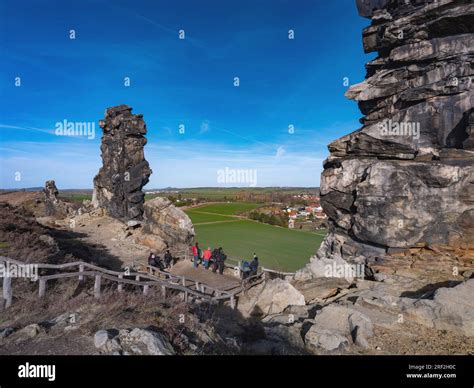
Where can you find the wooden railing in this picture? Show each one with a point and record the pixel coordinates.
(201, 291)
(178, 279)
(272, 274)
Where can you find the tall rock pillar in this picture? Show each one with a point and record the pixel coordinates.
(124, 172)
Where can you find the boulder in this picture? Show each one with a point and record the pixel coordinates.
(325, 339)
(101, 338)
(167, 221)
(145, 341)
(136, 341)
(361, 329)
(274, 297)
(450, 309)
(29, 331)
(335, 327)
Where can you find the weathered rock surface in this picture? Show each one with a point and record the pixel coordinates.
(118, 185)
(53, 205)
(271, 297)
(406, 178)
(335, 327)
(450, 309)
(136, 341)
(172, 224)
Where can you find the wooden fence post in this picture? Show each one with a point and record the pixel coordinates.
(81, 269)
(186, 296)
(183, 282)
(7, 291)
(120, 285)
(42, 288)
(97, 286)
(232, 302)
(145, 289)
(163, 291)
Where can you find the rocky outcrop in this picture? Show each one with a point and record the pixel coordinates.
(118, 185)
(406, 178)
(450, 309)
(132, 342)
(53, 205)
(335, 327)
(271, 297)
(170, 223)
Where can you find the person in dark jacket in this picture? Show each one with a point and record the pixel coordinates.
(214, 255)
(221, 257)
(254, 265)
(168, 259)
(152, 260)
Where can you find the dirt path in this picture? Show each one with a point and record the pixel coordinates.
(215, 222)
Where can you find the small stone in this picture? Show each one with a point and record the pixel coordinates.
(100, 338)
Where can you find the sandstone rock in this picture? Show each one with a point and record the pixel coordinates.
(406, 178)
(325, 339)
(29, 331)
(101, 338)
(450, 309)
(53, 205)
(361, 329)
(275, 296)
(320, 289)
(118, 185)
(334, 318)
(170, 223)
(146, 342)
(334, 325)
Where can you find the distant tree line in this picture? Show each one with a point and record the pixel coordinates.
(272, 219)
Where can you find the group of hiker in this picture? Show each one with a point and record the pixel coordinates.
(161, 264)
(216, 260)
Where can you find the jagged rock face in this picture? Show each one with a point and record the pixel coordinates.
(54, 206)
(50, 197)
(118, 185)
(406, 178)
(172, 224)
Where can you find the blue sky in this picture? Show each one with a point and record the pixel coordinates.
(177, 82)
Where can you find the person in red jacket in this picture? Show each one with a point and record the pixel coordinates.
(206, 257)
(196, 254)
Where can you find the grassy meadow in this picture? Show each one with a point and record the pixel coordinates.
(277, 248)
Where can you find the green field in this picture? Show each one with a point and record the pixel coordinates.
(76, 197)
(227, 208)
(277, 248)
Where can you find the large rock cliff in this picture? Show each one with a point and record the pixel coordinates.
(406, 178)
